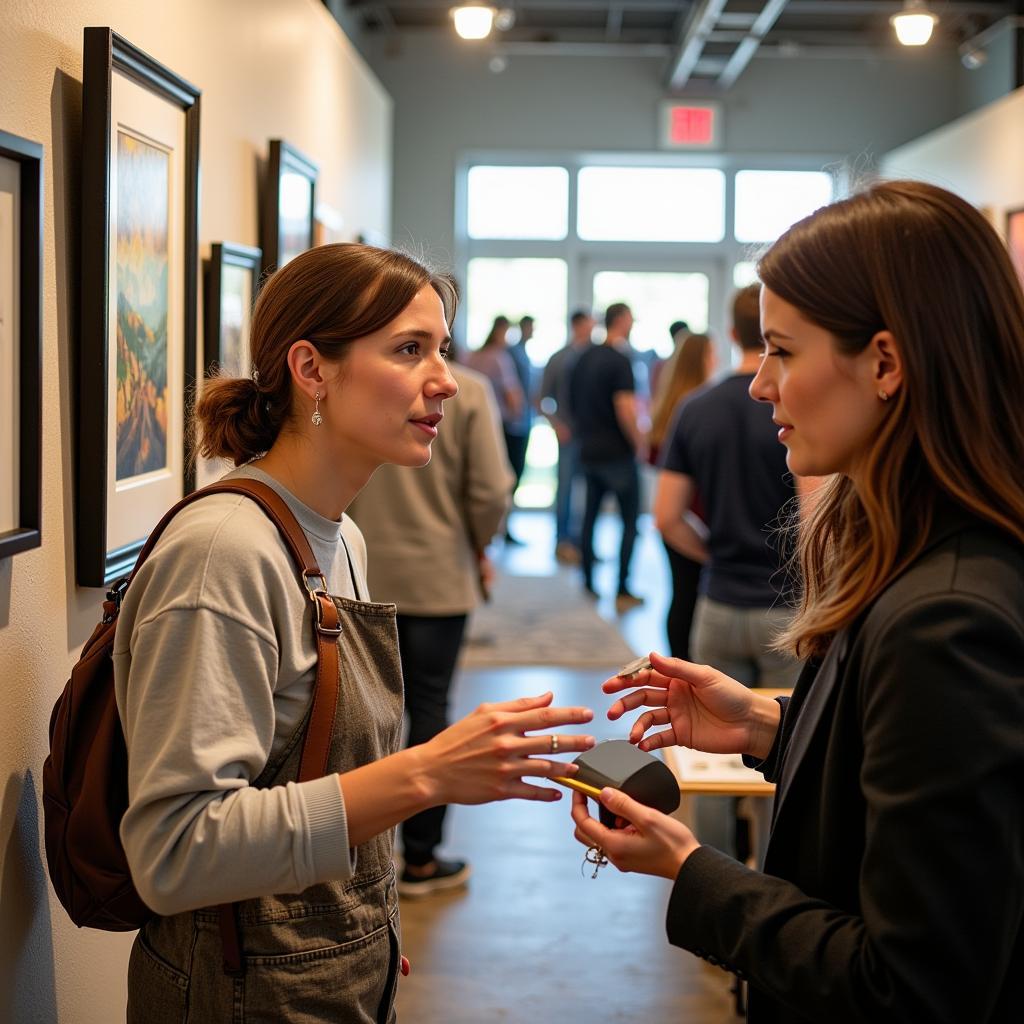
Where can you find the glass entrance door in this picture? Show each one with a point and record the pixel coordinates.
(659, 295)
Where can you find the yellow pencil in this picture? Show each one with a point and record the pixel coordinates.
(580, 787)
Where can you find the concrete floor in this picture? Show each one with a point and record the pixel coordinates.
(534, 938)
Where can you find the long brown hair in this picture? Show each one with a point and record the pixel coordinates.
(330, 296)
(501, 323)
(922, 263)
(687, 369)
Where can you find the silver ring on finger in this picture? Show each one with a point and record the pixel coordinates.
(554, 744)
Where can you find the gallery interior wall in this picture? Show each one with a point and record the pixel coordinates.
(980, 156)
(447, 102)
(266, 68)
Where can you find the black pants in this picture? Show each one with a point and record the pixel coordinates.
(429, 648)
(516, 445)
(685, 578)
(621, 478)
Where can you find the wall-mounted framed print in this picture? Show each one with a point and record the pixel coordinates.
(1015, 239)
(289, 202)
(230, 281)
(21, 316)
(140, 185)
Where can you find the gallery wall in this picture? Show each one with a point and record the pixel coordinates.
(267, 69)
(447, 102)
(980, 156)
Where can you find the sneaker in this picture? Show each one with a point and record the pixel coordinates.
(624, 600)
(566, 553)
(448, 874)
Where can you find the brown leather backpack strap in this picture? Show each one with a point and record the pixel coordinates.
(316, 747)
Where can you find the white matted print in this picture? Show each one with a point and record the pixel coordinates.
(9, 337)
(146, 385)
(235, 312)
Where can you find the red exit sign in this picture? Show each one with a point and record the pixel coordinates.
(689, 125)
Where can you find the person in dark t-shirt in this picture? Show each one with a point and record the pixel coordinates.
(603, 409)
(724, 445)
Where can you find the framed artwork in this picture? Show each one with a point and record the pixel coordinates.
(21, 247)
(289, 201)
(1015, 239)
(140, 184)
(230, 279)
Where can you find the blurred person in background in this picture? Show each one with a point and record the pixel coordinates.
(678, 331)
(494, 360)
(725, 447)
(687, 370)
(426, 533)
(603, 407)
(554, 403)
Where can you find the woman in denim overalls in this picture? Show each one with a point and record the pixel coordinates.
(348, 347)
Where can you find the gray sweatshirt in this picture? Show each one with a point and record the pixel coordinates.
(214, 663)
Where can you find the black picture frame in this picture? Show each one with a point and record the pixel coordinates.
(26, 533)
(1014, 235)
(275, 233)
(224, 257)
(108, 57)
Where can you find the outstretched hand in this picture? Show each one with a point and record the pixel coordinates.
(703, 708)
(650, 843)
(486, 755)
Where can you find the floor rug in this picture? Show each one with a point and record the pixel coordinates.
(542, 620)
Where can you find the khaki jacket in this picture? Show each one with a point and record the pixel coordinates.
(425, 527)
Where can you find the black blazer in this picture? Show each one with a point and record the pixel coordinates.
(894, 879)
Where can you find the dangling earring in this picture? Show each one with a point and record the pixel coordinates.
(883, 395)
(316, 418)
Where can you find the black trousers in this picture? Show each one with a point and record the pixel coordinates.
(429, 648)
(622, 478)
(516, 445)
(685, 580)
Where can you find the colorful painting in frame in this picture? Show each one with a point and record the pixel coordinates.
(230, 279)
(140, 176)
(20, 344)
(289, 203)
(1015, 239)
(143, 207)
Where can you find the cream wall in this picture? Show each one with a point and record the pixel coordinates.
(979, 156)
(266, 68)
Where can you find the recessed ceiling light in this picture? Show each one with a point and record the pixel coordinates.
(473, 21)
(914, 23)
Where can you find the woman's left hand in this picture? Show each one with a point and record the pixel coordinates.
(651, 843)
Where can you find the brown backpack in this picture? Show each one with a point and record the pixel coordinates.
(85, 776)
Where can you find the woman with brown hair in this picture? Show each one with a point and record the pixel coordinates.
(688, 369)
(893, 888)
(215, 659)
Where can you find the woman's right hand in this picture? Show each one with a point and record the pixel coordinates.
(486, 755)
(703, 708)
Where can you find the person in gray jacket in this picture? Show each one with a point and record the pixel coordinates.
(426, 532)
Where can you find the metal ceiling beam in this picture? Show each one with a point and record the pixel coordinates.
(857, 8)
(742, 54)
(669, 6)
(613, 26)
(690, 48)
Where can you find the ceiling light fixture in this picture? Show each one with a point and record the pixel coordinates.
(473, 21)
(914, 23)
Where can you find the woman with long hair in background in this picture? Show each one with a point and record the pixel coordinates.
(687, 369)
